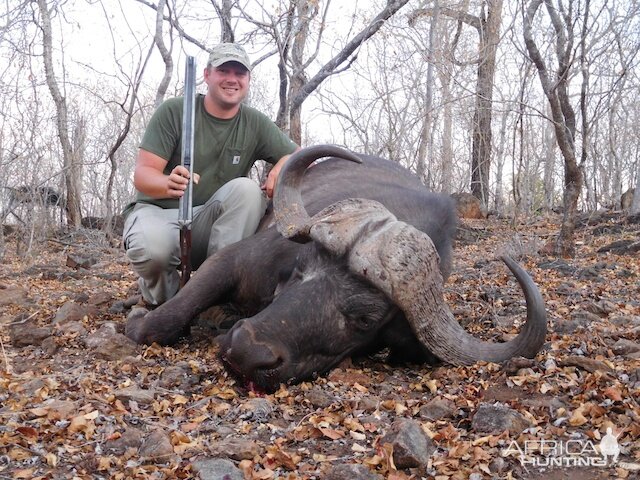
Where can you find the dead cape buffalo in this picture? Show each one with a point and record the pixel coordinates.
(365, 273)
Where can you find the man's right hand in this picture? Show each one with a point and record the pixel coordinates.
(149, 177)
(178, 180)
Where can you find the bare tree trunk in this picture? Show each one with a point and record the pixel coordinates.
(447, 136)
(549, 165)
(556, 91)
(224, 12)
(446, 77)
(488, 28)
(481, 152)
(584, 114)
(499, 199)
(72, 174)
(519, 190)
(613, 171)
(165, 53)
(635, 204)
(79, 146)
(284, 48)
(427, 120)
(305, 13)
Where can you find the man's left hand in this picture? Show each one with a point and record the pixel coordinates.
(270, 184)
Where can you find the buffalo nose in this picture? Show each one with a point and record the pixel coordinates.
(247, 355)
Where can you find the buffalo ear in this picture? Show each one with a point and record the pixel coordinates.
(404, 347)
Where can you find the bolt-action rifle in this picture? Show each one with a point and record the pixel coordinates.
(185, 208)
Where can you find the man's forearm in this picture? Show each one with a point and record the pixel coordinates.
(151, 182)
(156, 184)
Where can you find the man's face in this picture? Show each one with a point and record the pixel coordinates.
(228, 84)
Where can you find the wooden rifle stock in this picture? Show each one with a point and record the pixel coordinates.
(185, 255)
(185, 208)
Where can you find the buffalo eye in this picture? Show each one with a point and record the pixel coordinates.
(363, 311)
(292, 271)
(363, 323)
(296, 274)
(285, 278)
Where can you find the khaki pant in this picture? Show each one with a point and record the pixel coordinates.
(152, 235)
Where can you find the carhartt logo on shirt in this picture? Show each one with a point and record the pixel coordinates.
(236, 159)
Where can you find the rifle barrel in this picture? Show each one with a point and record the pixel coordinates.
(185, 207)
(188, 119)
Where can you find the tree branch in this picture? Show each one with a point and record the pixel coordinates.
(458, 15)
(343, 56)
(176, 24)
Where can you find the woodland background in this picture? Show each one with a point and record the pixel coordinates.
(531, 106)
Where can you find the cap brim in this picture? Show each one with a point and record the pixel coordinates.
(224, 60)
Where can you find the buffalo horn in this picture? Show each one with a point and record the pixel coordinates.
(292, 220)
(402, 262)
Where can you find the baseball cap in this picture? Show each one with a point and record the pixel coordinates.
(228, 52)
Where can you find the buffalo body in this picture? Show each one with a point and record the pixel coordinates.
(305, 310)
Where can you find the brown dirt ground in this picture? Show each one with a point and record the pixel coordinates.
(338, 418)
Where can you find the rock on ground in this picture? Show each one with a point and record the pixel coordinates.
(411, 446)
(108, 344)
(217, 469)
(352, 472)
(498, 418)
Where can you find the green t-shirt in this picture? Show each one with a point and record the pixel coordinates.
(223, 149)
